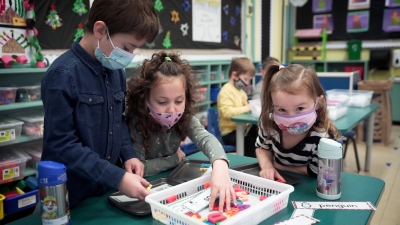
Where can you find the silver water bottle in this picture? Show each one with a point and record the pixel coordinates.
(330, 165)
(53, 194)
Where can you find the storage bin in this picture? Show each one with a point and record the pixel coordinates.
(12, 165)
(10, 130)
(7, 95)
(337, 106)
(33, 123)
(358, 98)
(277, 199)
(36, 156)
(213, 75)
(28, 93)
(21, 202)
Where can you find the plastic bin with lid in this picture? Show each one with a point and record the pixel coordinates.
(337, 106)
(10, 130)
(12, 165)
(7, 95)
(33, 123)
(357, 98)
(28, 93)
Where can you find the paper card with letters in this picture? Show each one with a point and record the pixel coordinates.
(334, 205)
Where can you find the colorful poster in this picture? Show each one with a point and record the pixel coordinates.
(391, 20)
(358, 4)
(357, 21)
(324, 21)
(392, 3)
(320, 6)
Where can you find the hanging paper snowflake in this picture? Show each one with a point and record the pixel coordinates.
(186, 5)
(225, 35)
(167, 40)
(158, 5)
(226, 9)
(237, 10)
(79, 32)
(174, 16)
(79, 7)
(184, 28)
(53, 20)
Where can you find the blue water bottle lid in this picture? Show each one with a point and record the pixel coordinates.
(51, 173)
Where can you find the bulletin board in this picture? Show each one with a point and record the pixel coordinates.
(198, 24)
(352, 19)
(60, 22)
(183, 24)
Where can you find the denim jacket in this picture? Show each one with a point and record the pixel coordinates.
(84, 126)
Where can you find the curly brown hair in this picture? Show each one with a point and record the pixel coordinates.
(147, 76)
(294, 79)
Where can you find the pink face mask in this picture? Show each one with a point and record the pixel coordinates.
(166, 120)
(296, 124)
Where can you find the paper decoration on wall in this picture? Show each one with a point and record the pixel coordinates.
(324, 21)
(186, 5)
(226, 9)
(358, 4)
(167, 40)
(206, 25)
(184, 29)
(12, 12)
(320, 6)
(52, 19)
(225, 35)
(232, 21)
(392, 3)
(11, 45)
(158, 5)
(391, 20)
(79, 32)
(237, 40)
(237, 10)
(174, 16)
(357, 21)
(150, 45)
(79, 7)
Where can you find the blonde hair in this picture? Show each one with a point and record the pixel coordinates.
(294, 79)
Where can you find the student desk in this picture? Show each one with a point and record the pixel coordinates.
(352, 118)
(97, 210)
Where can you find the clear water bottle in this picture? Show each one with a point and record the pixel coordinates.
(53, 194)
(330, 166)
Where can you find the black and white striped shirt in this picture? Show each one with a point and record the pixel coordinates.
(305, 153)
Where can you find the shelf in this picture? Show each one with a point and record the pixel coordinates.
(20, 105)
(22, 70)
(21, 139)
(29, 171)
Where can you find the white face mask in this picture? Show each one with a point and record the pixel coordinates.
(118, 58)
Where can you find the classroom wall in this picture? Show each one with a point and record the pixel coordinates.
(277, 27)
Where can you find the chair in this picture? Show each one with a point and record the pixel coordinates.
(350, 137)
(213, 128)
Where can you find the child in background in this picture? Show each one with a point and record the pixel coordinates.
(293, 119)
(258, 87)
(160, 114)
(232, 101)
(83, 95)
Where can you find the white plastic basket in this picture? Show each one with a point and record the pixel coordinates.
(277, 199)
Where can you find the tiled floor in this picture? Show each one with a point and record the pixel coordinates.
(385, 164)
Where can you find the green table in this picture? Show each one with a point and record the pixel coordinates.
(97, 210)
(346, 123)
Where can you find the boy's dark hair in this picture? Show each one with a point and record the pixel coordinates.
(125, 16)
(241, 65)
(267, 61)
(148, 75)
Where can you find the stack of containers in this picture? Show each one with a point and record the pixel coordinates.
(10, 130)
(33, 123)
